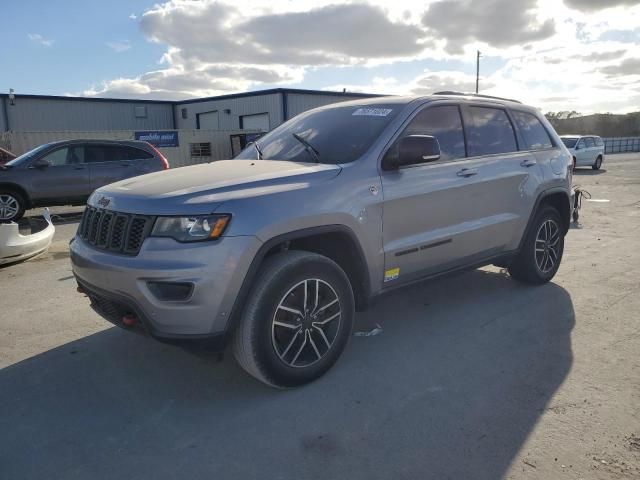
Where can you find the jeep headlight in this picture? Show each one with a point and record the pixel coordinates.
(191, 229)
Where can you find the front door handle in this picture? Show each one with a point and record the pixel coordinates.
(79, 167)
(528, 163)
(467, 172)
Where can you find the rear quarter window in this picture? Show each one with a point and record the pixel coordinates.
(489, 132)
(535, 135)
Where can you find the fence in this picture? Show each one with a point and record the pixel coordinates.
(211, 144)
(621, 144)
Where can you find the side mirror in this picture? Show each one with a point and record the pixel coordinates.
(40, 164)
(415, 149)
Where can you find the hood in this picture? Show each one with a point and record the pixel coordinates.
(200, 189)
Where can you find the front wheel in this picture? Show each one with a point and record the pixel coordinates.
(541, 253)
(12, 206)
(297, 321)
(598, 164)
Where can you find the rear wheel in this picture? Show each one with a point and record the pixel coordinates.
(598, 164)
(12, 206)
(541, 253)
(297, 321)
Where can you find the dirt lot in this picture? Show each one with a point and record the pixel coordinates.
(473, 377)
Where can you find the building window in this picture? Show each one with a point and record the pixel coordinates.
(140, 112)
(200, 149)
(183, 112)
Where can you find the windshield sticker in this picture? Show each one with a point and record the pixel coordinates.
(373, 112)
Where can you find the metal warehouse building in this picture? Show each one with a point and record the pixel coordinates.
(198, 130)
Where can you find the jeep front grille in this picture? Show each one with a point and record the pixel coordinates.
(114, 231)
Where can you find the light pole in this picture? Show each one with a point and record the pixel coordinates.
(477, 70)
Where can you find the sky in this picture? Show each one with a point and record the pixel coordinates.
(581, 55)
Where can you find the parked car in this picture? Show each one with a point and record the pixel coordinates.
(65, 173)
(274, 250)
(5, 156)
(587, 150)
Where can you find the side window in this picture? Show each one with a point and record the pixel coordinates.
(95, 153)
(65, 156)
(489, 132)
(580, 143)
(535, 135)
(132, 153)
(114, 153)
(599, 141)
(589, 142)
(445, 124)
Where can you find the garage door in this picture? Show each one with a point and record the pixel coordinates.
(258, 121)
(208, 121)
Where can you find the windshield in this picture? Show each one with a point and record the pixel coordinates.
(333, 135)
(569, 142)
(25, 157)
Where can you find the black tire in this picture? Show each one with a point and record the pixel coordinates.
(8, 197)
(527, 265)
(598, 164)
(259, 343)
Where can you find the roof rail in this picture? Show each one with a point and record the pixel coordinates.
(476, 95)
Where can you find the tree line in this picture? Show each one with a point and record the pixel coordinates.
(601, 124)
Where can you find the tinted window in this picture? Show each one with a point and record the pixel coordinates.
(589, 142)
(131, 153)
(535, 135)
(114, 153)
(569, 142)
(65, 156)
(339, 134)
(445, 124)
(489, 132)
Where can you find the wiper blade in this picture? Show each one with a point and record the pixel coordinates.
(315, 154)
(258, 151)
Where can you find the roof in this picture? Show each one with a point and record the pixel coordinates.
(196, 100)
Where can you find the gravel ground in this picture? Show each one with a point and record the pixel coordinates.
(472, 377)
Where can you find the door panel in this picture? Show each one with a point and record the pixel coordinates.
(458, 211)
(583, 154)
(111, 163)
(435, 219)
(66, 179)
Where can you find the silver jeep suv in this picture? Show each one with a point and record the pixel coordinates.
(276, 249)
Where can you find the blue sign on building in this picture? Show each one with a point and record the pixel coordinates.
(159, 138)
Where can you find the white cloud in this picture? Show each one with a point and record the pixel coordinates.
(40, 40)
(133, 16)
(119, 47)
(551, 54)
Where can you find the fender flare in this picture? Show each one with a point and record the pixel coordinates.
(247, 283)
(541, 196)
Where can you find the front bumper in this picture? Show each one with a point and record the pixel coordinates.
(118, 284)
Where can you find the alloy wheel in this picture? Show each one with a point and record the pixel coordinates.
(306, 323)
(547, 251)
(8, 207)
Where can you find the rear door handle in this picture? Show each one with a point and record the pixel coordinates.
(528, 163)
(467, 172)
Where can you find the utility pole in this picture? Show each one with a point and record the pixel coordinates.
(477, 70)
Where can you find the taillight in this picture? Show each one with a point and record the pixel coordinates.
(165, 163)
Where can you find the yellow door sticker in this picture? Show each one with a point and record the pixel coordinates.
(391, 274)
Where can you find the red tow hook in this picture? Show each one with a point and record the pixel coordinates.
(129, 320)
